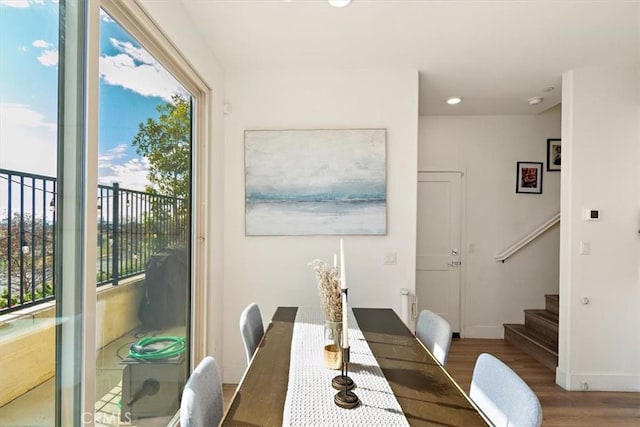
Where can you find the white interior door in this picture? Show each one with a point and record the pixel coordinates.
(438, 246)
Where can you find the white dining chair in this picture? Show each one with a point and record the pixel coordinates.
(251, 329)
(502, 395)
(201, 402)
(435, 333)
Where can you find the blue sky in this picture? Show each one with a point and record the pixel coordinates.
(132, 84)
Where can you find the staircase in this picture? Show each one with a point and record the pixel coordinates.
(538, 337)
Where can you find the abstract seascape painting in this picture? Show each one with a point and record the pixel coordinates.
(315, 182)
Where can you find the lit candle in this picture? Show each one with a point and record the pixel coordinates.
(343, 285)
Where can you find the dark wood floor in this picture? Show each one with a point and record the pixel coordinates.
(559, 407)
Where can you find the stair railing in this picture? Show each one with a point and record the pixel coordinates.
(504, 255)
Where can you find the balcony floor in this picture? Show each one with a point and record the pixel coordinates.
(37, 407)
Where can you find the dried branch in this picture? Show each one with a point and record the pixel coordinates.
(329, 290)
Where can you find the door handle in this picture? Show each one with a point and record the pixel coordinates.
(455, 263)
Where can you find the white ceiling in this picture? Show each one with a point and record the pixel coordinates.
(495, 54)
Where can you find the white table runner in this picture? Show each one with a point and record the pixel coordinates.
(309, 400)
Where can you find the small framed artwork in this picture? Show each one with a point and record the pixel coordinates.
(529, 177)
(554, 155)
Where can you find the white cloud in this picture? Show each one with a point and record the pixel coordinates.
(22, 4)
(42, 44)
(28, 143)
(136, 70)
(49, 58)
(15, 3)
(27, 140)
(131, 175)
(137, 53)
(106, 158)
(105, 16)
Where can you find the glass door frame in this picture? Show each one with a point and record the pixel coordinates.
(77, 183)
(77, 210)
(135, 20)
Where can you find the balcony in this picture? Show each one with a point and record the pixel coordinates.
(132, 226)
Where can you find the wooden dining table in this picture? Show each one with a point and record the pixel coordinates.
(425, 391)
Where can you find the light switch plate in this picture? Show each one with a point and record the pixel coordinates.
(391, 258)
(585, 247)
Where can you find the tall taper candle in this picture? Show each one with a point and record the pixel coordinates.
(343, 278)
(335, 260)
(343, 285)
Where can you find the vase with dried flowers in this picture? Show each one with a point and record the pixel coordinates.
(328, 279)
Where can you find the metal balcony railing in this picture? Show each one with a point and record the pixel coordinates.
(131, 226)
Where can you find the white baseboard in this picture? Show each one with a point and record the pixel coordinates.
(597, 382)
(563, 379)
(487, 332)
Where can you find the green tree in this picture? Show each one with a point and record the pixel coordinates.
(166, 143)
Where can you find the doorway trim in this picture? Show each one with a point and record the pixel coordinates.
(135, 19)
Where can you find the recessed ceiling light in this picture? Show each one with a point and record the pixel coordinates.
(535, 100)
(339, 3)
(454, 100)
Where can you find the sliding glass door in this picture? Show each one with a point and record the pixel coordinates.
(32, 317)
(144, 233)
(96, 271)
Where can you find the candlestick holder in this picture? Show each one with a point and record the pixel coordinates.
(340, 381)
(345, 398)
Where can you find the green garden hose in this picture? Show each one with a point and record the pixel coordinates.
(142, 350)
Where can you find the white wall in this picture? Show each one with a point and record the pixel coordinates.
(600, 342)
(486, 149)
(177, 26)
(274, 271)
